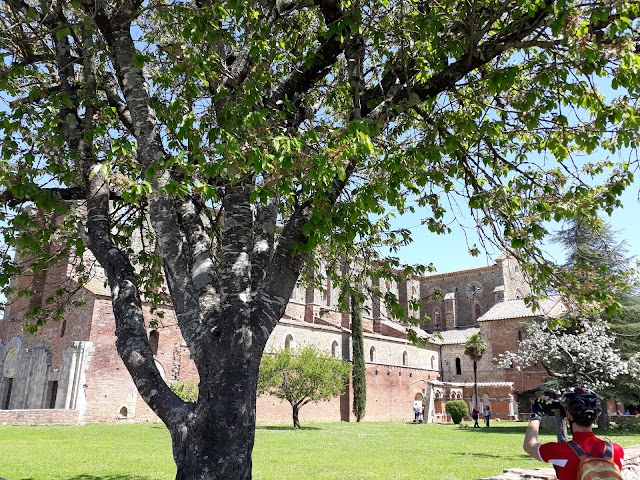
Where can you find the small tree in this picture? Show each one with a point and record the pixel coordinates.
(308, 375)
(474, 349)
(457, 409)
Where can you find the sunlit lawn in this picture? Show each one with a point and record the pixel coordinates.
(317, 451)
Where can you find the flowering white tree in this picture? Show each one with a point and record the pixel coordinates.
(579, 354)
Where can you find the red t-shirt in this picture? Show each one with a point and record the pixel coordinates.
(565, 460)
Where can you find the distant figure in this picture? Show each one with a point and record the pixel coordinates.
(626, 412)
(487, 415)
(416, 413)
(475, 413)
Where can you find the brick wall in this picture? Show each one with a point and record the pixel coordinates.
(39, 417)
(502, 336)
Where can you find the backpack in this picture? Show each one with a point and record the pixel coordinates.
(593, 468)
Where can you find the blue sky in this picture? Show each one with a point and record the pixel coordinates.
(450, 252)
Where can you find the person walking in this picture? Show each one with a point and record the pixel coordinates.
(487, 415)
(475, 414)
(582, 409)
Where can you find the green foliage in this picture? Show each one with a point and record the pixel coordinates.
(340, 116)
(359, 375)
(475, 347)
(187, 391)
(306, 375)
(457, 409)
(471, 117)
(596, 260)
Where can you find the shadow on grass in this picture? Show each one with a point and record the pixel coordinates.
(285, 428)
(104, 477)
(505, 430)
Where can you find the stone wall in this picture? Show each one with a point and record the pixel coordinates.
(630, 469)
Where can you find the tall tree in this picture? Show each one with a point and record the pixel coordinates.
(304, 376)
(595, 258)
(595, 254)
(249, 133)
(474, 348)
(359, 373)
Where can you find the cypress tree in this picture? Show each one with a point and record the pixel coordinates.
(359, 371)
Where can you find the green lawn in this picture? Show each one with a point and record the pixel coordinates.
(318, 451)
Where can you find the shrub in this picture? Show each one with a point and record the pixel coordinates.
(457, 409)
(187, 391)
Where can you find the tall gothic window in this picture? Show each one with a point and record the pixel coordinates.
(458, 366)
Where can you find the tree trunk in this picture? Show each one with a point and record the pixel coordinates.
(561, 427)
(296, 420)
(475, 381)
(213, 438)
(603, 419)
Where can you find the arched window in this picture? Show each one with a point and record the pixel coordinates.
(436, 318)
(478, 311)
(334, 349)
(372, 354)
(154, 341)
(458, 366)
(288, 342)
(124, 412)
(433, 362)
(519, 335)
(405, 358)
(63, 327)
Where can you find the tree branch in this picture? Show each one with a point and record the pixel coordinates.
(446, 79)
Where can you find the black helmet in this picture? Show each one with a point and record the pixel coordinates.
(581, 402)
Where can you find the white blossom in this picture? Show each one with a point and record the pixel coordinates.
(582, 356)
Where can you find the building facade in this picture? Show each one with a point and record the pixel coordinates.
(70, 372)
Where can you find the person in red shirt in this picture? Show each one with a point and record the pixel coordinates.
(582, 408)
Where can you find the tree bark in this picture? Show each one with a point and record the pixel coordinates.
(561, 427)
(213, 440)
(295, 412)
(475, 380)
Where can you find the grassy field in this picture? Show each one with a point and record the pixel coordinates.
(335, 451)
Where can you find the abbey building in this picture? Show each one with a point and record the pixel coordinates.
(69, 372)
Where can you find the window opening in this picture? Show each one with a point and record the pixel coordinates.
(53, 394)
(7, 397)
(154, 341)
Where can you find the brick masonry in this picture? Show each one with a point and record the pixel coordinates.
(398, 371)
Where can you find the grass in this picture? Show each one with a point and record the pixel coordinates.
(349, 451)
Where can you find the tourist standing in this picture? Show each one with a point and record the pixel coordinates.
(583, 408)
(487, 415)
